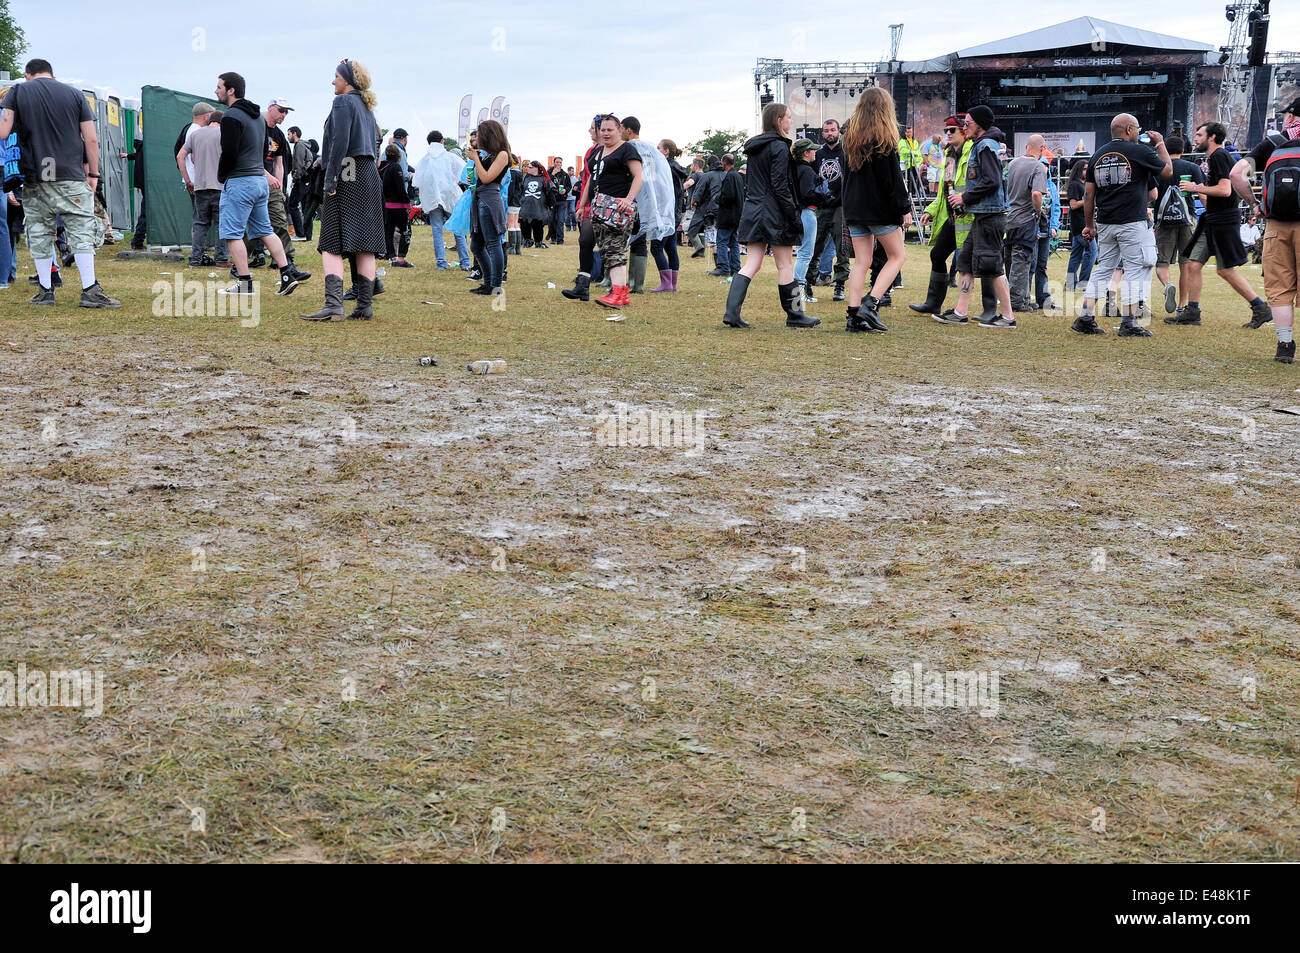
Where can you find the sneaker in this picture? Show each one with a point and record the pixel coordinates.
(997, 321)
(1087, 325)
(1260, 315)
(401, 263)
(717, 273)
(44, 296)
(1048, 305)
(288, 281)
(1285, 352)
(257, 261)
(56, 280)
(474, 275)
(299, 238)
(540, 245)
(233, 272)
(242, 286)
(839, 291)
(1133, 331)
(1171, 298)
(823, 280)
(95, 297)
(951, 317)
(207, 261)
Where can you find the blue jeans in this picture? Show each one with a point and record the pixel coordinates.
(728, 251)
(827, 260)
(1082, 257)
(438, 219)
(6, 250)
(573, 208)
(804, 254)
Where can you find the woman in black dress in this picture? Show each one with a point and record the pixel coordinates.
(770, 219)
(487, 215)
(352, 219)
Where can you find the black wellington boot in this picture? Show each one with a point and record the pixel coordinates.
(736, 298)
(792, 305)
(934, 296)
(989, 298)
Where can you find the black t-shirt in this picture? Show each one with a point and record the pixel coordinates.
(1076, 214)
(1181, 167)
(1221, 211)
(1263, 152)
(47, 118)
(277, 147)
(1122, 172)
(613, 177)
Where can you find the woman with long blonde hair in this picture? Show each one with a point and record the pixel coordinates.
(770, 219)
(876, 204)
(352, 218)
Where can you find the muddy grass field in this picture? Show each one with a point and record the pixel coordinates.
(348, 608)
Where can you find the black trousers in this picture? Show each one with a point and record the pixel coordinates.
(532, 231)
(945, 245)
(830, 222)
(586, 246)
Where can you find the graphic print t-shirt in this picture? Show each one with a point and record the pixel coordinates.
(1122, 170)
(277, 147)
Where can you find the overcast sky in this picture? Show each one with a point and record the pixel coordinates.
(679, 67)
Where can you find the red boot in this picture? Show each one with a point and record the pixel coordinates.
(617, 297)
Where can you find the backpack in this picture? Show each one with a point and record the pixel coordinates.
(1172, 208)
(1281, 179)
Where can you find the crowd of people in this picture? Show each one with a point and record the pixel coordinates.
(831, 213)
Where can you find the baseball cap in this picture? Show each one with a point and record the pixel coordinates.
(803, 145)
(282, 103)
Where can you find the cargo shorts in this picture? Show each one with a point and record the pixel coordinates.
(44, 202)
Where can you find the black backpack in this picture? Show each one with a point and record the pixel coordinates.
(1172, 208)
(1281, 180)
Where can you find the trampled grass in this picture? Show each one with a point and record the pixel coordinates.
(355, 609)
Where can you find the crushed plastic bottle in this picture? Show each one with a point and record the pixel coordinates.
(486, 367)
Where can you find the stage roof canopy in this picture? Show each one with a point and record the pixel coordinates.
(1084, 31)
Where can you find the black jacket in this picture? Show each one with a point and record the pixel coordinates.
(680, 176)
(770, 213)
(243, 141)
(705, 194)
(731, 198)
(829, 164)
(137, 156)
(875, 194)
(807, 181)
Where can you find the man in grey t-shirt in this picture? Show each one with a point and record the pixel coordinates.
(198, 161)
(1026, 186)
(60, 165)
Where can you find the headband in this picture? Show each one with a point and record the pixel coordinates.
(345, 70)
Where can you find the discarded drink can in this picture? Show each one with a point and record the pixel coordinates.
(486, 367)
(428, 362)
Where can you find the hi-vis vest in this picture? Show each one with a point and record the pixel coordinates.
(939, 210)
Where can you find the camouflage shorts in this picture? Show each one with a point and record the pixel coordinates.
(44, 202)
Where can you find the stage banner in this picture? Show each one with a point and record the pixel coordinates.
(1061, 143)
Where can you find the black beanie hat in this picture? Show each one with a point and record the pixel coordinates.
(982, 116)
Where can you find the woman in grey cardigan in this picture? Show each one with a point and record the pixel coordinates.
(352, 219)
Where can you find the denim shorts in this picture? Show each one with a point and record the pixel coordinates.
(243, 207)
(858, 231)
